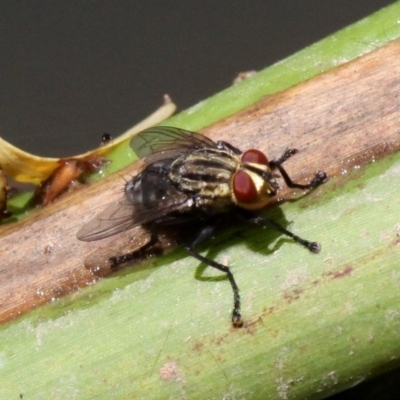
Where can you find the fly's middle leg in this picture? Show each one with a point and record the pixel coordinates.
(259, 220)
(205, 234)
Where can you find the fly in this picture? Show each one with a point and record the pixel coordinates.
(188, 178)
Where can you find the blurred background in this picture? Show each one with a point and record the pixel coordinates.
(73, 70)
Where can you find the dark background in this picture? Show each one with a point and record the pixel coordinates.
(72, 70)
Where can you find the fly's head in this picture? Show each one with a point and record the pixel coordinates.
(253, 183)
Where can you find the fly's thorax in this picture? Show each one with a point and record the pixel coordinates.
(206, 173)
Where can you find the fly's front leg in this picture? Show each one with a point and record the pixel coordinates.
(314, 247)
(205, 234)
(319, 178)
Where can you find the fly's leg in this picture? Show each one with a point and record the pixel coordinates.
(227, 146)
(314, 247)
(154, 228)
(118, 260)
(204, 234)
(319, 178)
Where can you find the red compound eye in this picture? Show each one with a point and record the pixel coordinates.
(255, 156)
(243, 187)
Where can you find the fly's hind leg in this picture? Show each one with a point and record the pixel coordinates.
(118, 260)
(154, 239)
(205, 234)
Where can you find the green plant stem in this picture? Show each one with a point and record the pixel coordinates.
(321, 322)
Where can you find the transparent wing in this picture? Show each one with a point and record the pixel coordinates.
(116, 218)
(123, 215)
(157, 143)
(164, 141)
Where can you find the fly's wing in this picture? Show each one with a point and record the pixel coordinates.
(124, 215)
(161, 142)
(156, 196)
(116, 218)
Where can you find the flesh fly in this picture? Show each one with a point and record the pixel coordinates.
(190, 179)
